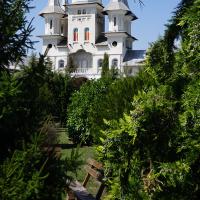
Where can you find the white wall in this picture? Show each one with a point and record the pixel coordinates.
(85, 1)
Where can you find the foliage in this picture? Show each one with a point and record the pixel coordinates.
(84, 108)
(27, 98)
(117, 100)
(153, 152)
(9, 91)
(14, 37)
(132, 143)
(61, 87)
(105, 66)
(22, 113)
(31, 173)
(98, 100)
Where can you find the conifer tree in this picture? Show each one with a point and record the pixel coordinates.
(105, 66)
(15, 31)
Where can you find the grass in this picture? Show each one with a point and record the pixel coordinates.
(85, 152)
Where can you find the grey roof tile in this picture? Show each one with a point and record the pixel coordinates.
(63, 42)
(52, 9)
(134, 55)
(101, 40)
(119, 5)
(116, 6)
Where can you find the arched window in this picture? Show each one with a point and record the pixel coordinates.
(75, 34)
(84, 64)
(79, 12)
(100, 62)
(84, 11)
(87, 34)
(51, 24)
(61, 64)
(115, 21)
(114, 62)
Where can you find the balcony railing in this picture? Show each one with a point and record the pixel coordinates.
(81, 70)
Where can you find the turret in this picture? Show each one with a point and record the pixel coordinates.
(53, 14)
(56, 29)
(119, 15)
(120, 18)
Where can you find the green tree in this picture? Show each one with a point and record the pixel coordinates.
(61, 87)
(153, 152)
(105, 66)
(14, 36)
(84, 110)
(33, 173)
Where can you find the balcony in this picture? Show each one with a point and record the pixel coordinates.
(86, 72)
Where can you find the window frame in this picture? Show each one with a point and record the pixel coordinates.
(115, 21)
(51, 24)
(114, 62)
(84, 11)
(87, 34)
(75, 34)
(62, 29)
(61, 64)
(99, 62)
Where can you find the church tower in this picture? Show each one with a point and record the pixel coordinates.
(55, 26)
(86, 23)
(119, 29)
(56, 29)
(77, 33)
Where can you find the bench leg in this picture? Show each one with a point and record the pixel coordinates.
(70, 195)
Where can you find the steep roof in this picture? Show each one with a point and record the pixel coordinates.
(62, 43)
(119, 5)
(134, 56)
(52, 7)
(101, 40)
(116, 5)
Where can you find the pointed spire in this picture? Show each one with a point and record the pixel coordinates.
(86, 1)
(53, 6)
(123, 1)
(53, 3)
(119, 5)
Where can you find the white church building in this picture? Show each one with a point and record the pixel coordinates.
(77, 30)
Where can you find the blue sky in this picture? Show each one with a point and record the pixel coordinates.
(150, 24)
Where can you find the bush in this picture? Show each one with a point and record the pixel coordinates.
(27, 98)
(153, 152)
(84, 108)
(34, 173)
(98, 100)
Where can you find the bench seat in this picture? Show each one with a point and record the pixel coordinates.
(80, 191)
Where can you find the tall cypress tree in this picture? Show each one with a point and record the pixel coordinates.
(105, 66)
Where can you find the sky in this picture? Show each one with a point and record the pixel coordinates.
(152, 17)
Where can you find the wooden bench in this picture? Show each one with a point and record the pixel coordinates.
(78, 191)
